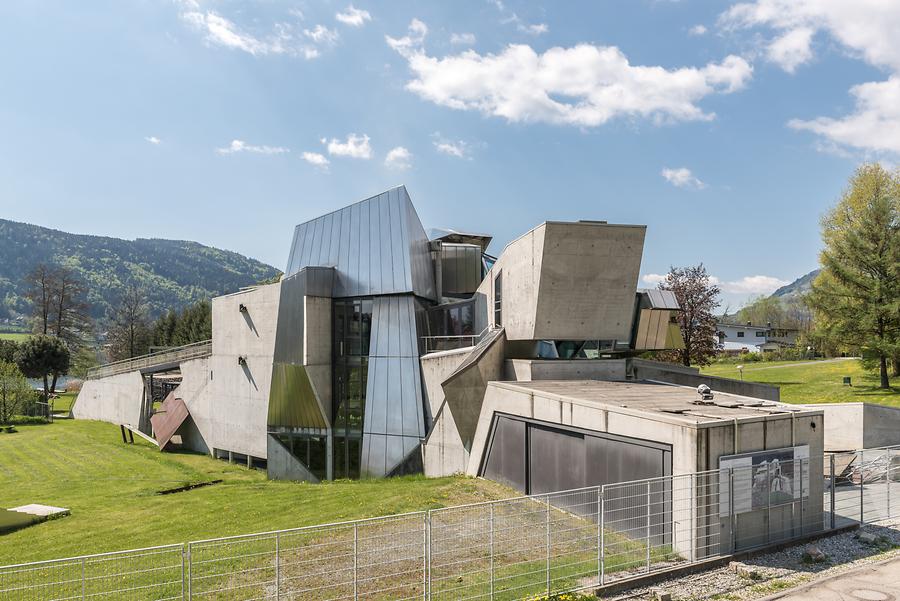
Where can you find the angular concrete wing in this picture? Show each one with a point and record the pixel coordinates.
(566, 281)
(377, 246)
(464, 388)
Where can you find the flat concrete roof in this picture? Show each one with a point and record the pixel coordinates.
(662, 401)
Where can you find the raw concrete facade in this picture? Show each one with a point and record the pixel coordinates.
(332, 373)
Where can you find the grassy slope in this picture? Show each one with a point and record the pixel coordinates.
(815, 381)
(111, 489)
(14, 336)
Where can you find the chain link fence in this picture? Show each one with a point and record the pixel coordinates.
(500, 550)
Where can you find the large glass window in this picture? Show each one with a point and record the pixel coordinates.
(352, 332)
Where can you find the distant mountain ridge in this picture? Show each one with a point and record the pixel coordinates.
(801, 285)
(174, 273)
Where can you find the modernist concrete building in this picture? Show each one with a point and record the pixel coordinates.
(385, 351)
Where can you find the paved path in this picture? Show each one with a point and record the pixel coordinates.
(804, 363)
(874, 582)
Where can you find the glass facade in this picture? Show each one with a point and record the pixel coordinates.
(310, 449)
(457, 319)
(498, 300)
(352, 332)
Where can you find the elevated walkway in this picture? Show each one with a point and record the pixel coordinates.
(154, 362)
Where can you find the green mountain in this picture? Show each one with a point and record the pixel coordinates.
(801, 285)
(174, 273)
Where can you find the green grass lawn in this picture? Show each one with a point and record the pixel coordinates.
(111, 489)
(14, 336)
(64, 403)
(815, 381)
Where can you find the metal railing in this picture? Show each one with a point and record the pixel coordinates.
(435, 344)
(174, 355)
(498, 550)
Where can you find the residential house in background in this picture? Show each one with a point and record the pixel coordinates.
(737, 338)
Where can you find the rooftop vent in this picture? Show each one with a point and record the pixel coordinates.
(706, 395)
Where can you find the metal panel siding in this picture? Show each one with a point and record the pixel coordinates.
(394, 414)
(506, 457)
(556, 460)
(378, 247)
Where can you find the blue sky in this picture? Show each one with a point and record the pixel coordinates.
(727, 128)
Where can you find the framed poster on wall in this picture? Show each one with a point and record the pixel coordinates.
(763, 479)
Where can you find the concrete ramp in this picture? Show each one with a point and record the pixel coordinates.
(168, 419)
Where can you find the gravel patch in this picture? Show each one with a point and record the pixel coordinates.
(768, 573)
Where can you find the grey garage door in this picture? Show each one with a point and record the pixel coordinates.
(537, 457)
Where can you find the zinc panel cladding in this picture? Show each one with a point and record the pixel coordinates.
(394, 419)
(461, 268)
(378, 246)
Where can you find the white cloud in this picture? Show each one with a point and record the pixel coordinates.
(454, 148)
(652, 279)
(153, 140)
(753, 284)
(238, 146)
(874, 125)
(356, 147)
(282, 40)
(354, 17)
(866, 29)
(321, 34)
(792, 49)
(697, 30)
(315, 159)
(748, 285)
(533, 29)
(398, 158)
(585, 85)
(409, 44)
(462, 39)
(682, 178)
(509, 16)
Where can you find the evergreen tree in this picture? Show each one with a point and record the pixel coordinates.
(42, 355)
(857, 294)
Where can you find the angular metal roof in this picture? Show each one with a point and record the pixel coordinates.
(377, 246)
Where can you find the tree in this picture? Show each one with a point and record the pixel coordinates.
(40, 356)
(192, 324)
(8, 350)
(698, 297)
(58, 305)
(857, 294)
(14, 391)
(130, 335)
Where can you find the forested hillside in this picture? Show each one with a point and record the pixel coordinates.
(173, 273)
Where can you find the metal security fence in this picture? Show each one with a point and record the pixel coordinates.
(500, 550)
(154, 573)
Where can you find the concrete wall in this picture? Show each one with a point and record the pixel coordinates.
(852, 426)
(675, 374)
(526, 370)
(239, 394)
(194, 390)
(437, 367)
(116, 399)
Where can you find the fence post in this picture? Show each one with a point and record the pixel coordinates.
(801, 496)
(83, 584)
(602, 508)
(768, 502)
(732, 514)
(356, 561)
(426, 572)
(887, 477)
(831, 465)
(277, 567)
(548, 545)
(693, 501)
(492, 550)
(648, 526)
(183, 588)
(190, 575)
(862, 493)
